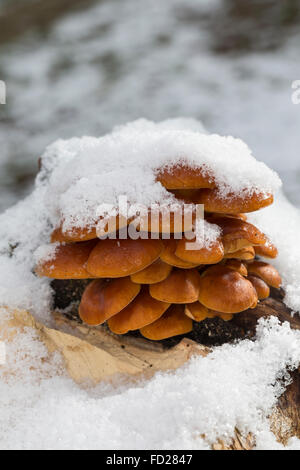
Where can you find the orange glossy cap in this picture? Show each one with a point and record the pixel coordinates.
(103, 299)
(174, 322)
(120, 258)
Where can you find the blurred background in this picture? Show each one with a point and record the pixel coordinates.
(78, 67)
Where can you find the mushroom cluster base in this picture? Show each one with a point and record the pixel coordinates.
(209, 332)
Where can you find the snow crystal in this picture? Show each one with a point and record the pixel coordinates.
(235, 386)
(46, 252)
(206, 235)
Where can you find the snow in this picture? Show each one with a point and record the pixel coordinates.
(22, 230)
(116, 61)
(235, 386)
(84, 173)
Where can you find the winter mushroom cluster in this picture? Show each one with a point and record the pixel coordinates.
(155, 284)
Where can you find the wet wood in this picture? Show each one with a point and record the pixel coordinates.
(273, 306)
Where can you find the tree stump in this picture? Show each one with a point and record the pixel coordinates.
(94, 354)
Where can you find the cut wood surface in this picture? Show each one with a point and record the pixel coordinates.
(130, 355)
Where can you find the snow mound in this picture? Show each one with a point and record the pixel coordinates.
(84, 173)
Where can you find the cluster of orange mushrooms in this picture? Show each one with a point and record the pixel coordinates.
(159, 287)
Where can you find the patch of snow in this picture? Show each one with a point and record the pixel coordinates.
(46, 252)
(23, 229)
(95, 70)
(235, 386)
(84, 173)
(206, 234)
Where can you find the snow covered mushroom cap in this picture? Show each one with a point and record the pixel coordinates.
(82, 173)
(65, 261)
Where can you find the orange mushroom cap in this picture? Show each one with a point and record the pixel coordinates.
(246, 253)
(103, 299)
(139, 313)
(226, 316)
(74, 235)
(77, 234)
(207, 255)
(237, 233)
(183, 176)
(169, 257)
(237, 266)
(262, 289)
(196, 311)
(156, 272)
(167, 220)
(226, 291)
(267, 251)
(232, 246)
(266, 272)
(185, 195)
(173, 322)
(182, 286)
(232, 204)
(107, 226)
(120, 258)
(69, 262)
